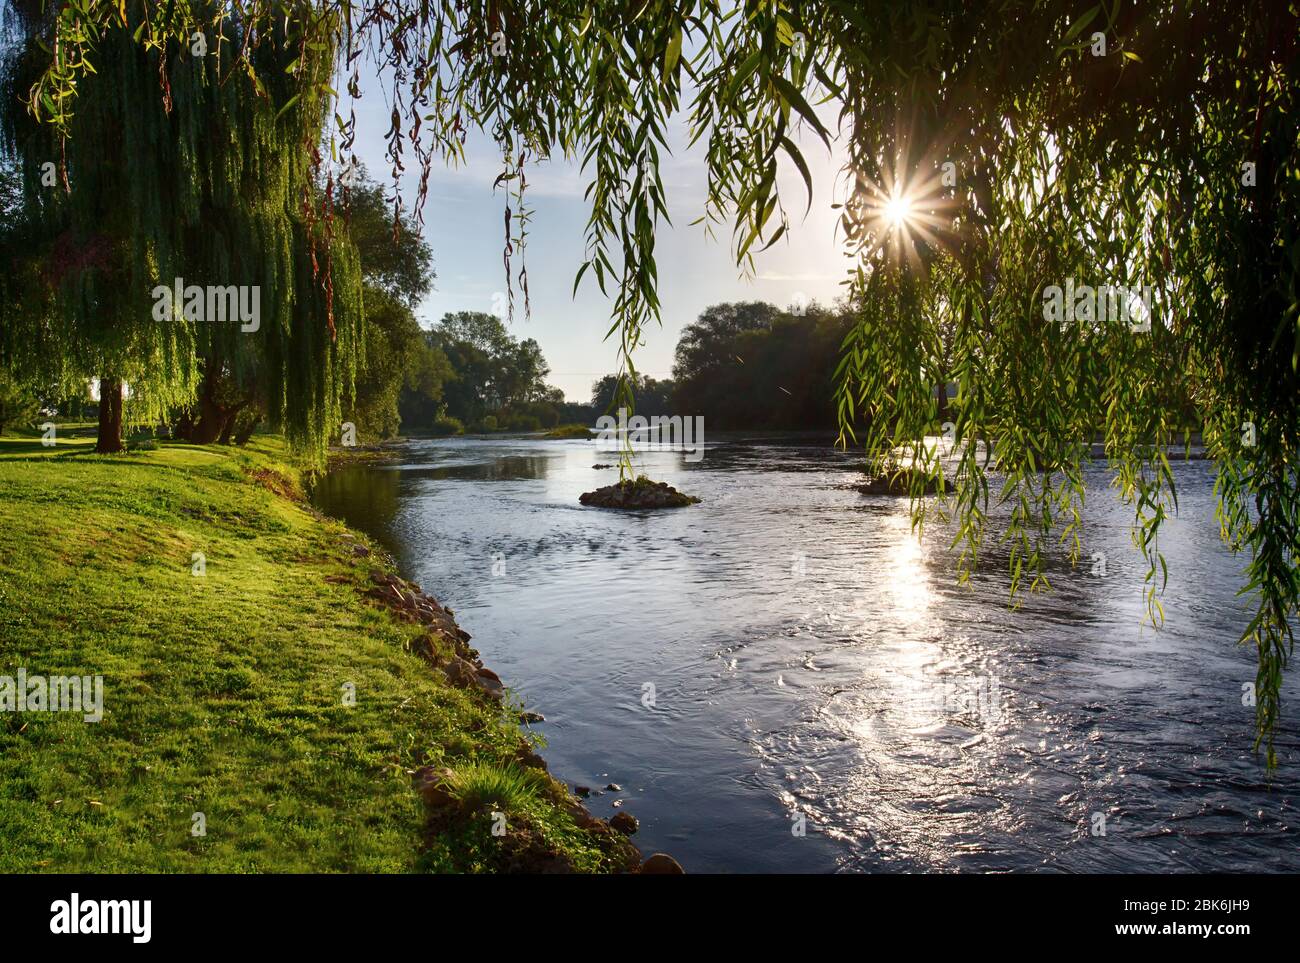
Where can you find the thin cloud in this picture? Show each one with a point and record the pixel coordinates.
(777, 276)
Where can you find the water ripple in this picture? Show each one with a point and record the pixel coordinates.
(785, 657)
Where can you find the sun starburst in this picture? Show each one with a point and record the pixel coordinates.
(905, 213)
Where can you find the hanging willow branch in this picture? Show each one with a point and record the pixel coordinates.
(1100, 143)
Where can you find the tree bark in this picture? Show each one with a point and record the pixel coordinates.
(945, 412)
(184, 429)
(231, 419)
(109, 439)
(245, 432)
(212, 416)
(208, 428)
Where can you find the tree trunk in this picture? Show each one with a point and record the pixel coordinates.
(228, 424)
(184, 429)
(109, 440)
(945, 412)
(245, 432)
(212, 415)
(208, 428)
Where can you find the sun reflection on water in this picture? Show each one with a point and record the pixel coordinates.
(907, 582)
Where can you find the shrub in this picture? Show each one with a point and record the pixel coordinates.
(519, 422)
(447, 425)
(19, 405)
(569, 431)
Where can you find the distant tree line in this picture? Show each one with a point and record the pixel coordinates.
(751, 365)
(487, 380)
(748, 364)
(740, 365)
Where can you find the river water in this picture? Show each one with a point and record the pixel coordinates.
(782, 679)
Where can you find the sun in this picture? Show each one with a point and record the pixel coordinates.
(897, 210)
(902, 211)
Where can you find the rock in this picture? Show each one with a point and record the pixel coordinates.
(617, 803)
(576, 809)
(582, 792)
(460, 673)
(434, 786)
(427, 646)
(463, 673)
(625, 823)
(614, 787)
(661, 864)
(893, 484)
(642, 493)
(584, 819)
(528, 757)
(489, 682)
(360, 550)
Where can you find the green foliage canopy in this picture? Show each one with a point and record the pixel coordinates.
(492, 370)
(750, 365)
(399, 362)
(170, 167)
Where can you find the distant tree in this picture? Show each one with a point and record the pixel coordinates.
(394, 257)
(753, 366)
(483, 331)
(653, 396)
(574, 412)
(470, 393)
(19, 402)
(401, 375)
(393, 342)
(493, 373)
(428, 373)
(522, 373)
(703, 342)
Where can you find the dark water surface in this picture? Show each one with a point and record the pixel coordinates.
(809, 659)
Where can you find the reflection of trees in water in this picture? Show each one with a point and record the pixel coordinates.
(506, 468)
(367, 498)
(364, 498)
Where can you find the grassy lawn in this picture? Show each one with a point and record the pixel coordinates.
(224, 693)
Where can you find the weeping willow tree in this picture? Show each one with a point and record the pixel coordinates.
(1163, 189)
(181, 247)
(999, 154)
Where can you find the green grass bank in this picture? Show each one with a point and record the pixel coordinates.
(261, 686)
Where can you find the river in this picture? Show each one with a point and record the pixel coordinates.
(782, 679)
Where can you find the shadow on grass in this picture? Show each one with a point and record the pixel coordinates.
(28, 446)
(22, 448)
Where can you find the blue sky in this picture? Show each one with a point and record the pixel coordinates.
(463, 225)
